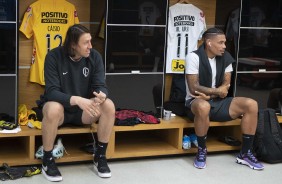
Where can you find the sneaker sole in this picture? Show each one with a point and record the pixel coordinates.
(51, 178)
(200, 167)
(243, 162)
(186, 148)
(102, 175)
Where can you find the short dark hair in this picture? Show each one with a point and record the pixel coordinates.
(72, 37)
(212, 32)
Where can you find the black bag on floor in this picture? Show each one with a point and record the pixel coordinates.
(268, 137)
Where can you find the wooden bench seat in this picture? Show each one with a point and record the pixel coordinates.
(126, 141)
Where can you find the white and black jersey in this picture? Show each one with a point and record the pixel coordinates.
(186, 25)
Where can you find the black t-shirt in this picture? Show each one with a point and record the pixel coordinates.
(65, 78)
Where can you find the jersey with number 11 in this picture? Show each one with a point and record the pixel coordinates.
(186, 25)
(47, 21)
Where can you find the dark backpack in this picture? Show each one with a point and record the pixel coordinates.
(178, 88)
(268, 137)
(177, 96)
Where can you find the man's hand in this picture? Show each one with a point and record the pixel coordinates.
(200, 95)
(223, 90)
(99, 97)
(87, 105)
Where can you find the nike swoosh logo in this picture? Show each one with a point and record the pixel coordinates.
(45, 167)
(64, 73)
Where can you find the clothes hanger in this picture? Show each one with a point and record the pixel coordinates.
(184, 1)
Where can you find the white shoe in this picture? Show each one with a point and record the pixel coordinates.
(58, 151)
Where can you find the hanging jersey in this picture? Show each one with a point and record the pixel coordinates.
(186, 25)
(7, 10)
(148, 14)
(232, 27)
(256, 16)
(47, 21)
(101, 33)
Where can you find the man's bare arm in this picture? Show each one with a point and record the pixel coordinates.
(226, 79)
(193, 84)
(224, 87)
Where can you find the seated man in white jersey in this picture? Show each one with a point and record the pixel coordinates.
(208, 75)
(76, 93)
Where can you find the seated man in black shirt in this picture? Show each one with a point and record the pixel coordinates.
(75, 93)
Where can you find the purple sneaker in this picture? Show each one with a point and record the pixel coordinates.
(250, 160)
(200, 160)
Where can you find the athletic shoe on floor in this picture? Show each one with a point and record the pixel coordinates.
(186, 143)
(51, 171)
(39, 153)
(250, 160)
(101, 165)
(200, 160)
(58, 151)
(193, 139)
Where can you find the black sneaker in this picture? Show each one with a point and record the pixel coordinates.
(51, 171)
(102, 166)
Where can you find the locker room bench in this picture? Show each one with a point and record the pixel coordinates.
(126, 141)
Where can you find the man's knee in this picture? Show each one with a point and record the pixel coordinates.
(251, 104)
(201, 108)
(109, 107)
(53, 110)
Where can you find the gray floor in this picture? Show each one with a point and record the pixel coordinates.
(221, 169)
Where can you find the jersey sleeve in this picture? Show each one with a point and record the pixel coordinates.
(171, 33)
(202, 22)
(27, 24)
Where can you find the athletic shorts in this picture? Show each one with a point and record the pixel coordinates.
(219, 109)
(73, 116)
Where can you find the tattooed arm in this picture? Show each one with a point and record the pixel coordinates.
(205, 92)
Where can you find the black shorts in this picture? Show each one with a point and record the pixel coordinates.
(219, 109)
(73, 116)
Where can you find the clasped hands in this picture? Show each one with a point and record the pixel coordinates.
(221, 92)
(94, 108)
(91, 106)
